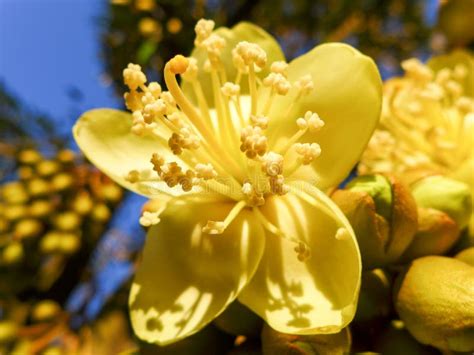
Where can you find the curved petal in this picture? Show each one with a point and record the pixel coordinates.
(320, 294)
(243, 31)
(187, 278)
(105, 138)
(347, 96)
(453, 59)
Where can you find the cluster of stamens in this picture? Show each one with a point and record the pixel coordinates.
(230, 155)
(426, 122)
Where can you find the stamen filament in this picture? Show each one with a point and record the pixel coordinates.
(218, 227)
(253, 89)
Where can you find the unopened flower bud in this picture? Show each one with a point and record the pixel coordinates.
(384, 217)
(435, 300)
(45, 310)
(239, 320)
(466, 255)
(375, 296)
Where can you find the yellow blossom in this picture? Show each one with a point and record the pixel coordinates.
(427, 123)
(241, 154)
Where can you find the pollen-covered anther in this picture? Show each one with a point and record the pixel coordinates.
(155, 89)
(272, 164)
(133, 76)
(133, 176)
(178, 64)
(417, 70)
(203, 30)
(171, 174)
(308, 152)
(168, 99)
(148, 219)
(230, 89)
(253, 198)
(157, 161)
(214, 227)
(184, 140)
(303, 252)
(213, 45)
(187, 180)
(133, 100)
(138, 123)
(279, 67)
(304, 85)
(246, 54)
(277, 82)
(254, 143)
(310, 121)
(191, 73)
(154, 110)
(205, 171)
(278, 186)
(259, 121)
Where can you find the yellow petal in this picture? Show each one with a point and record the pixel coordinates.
(187, 278)
(320, 294)
(243, 31)
(451, 60)
(347, 96)
(105, 138)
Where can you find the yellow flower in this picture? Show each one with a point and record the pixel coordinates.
(427, 122)
(240, 156)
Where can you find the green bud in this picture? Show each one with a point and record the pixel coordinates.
(397, 340)
(375, 296)
(435, 300)
(239, 320)
(437, 233)
(444, 194)
(13, 253)
(8, 331)
(467, 255)
(45, 310)
(274, 342)
(384, 223)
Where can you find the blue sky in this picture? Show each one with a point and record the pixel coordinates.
(49, 48)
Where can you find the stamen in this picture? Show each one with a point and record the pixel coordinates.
(218, 227)
(149, 218)
(302, 249)
(253, 198)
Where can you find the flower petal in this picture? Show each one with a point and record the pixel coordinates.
(320, 294)
(187, 278)
(105, 138)
(347, 96)
(243, 31)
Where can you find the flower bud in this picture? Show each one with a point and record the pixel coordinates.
(444, 194)
(13, 253)
(375, 296)
(436, 234)
(27, 228)
(383, 214)
(8, 331)
(45, 310)
(14, 193)
(239, 320)
(467, 255)
(29, 157)
(274, 342)
(435, 300)
(395, 340)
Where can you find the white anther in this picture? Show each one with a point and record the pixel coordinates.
(315, 123)
(277, 185)
(214, 227)
(432, 91)
(149, 219)
(213, 45)
(155, 89)
(133, 76)
(279, 67)
(302, 123)
(192, 71)
(207, 66)
(259, 121)
(230, 89)
(154, 110)
(417, 70)
(247, 189)
(203, 30)
(205, 171)
(443, 76)
(249, 54)
(272, 164)
(308, 152)
(454, 87)
(133, 100)
(304, 85)
(460, 72)
(342, 234)
(176, 119)
(278, 83)
(168, 98)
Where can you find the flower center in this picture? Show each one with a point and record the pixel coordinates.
(224, 150)
(427, 121)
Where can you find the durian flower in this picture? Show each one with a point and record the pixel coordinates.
(427, 122)
(241, 154)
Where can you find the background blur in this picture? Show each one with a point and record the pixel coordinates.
(60, 58)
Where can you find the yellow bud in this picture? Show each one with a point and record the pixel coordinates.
(435, 300)
(4, 225)
(67, 221)
(66, 156)
(111, 193)
(25, 172)
(69, 243)
(50, 242)
(14, 212)
(29, 157)
(83, 203)
(38, 187)
(46, 168)
(12, 253)
(8, 331)
(45, 310)
(41, 208)
(467, 256)
(27, 228)
(101, 213)
(14, 192)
